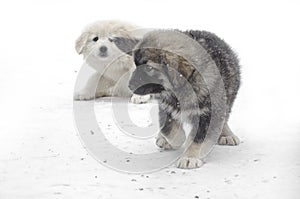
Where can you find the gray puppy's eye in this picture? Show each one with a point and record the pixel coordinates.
(95, 39)
(149, 68)
(111, 39)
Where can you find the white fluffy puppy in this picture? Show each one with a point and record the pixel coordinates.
(112, 66)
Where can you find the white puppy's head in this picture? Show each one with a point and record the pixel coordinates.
(96, 42)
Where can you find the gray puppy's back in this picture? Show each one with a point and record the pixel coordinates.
(225, 58)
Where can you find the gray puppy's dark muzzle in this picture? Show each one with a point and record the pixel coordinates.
(141, 83)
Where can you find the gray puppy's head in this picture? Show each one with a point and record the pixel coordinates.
(157, 70)
(159, 63)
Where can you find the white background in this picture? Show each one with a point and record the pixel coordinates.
(40, 153)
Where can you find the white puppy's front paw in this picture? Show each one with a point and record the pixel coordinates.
(161, 142)
(231, 140)
(139, 99)
(83, 95)
(189, 163)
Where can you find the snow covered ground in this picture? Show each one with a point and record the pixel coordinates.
(41, 155)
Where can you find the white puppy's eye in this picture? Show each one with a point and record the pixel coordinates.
(95, 39)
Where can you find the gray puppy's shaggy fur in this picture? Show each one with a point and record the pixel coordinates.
(162, 59)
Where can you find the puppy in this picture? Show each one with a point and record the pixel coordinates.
(112, 67)
(165, 65)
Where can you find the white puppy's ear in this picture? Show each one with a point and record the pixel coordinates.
(80, 42)
(125, 44)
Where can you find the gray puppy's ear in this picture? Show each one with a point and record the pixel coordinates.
(80, 42)
(125, 44)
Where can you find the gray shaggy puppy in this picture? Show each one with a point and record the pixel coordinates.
(165, 66)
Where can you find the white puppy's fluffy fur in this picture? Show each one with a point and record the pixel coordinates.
(112, 66)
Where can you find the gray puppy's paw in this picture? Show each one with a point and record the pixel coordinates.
(139, 99)
(231, 140)
(189, 163)
(162, 143)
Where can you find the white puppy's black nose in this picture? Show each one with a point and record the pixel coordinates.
(103, 49)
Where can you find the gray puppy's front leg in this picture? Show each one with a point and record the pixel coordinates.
(191, 157)
(196, 143)
(171, 135)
